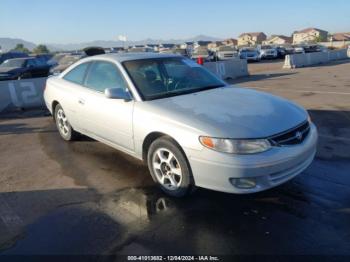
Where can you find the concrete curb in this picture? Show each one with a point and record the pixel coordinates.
(309, 59)
(24, 94)
(229, 69)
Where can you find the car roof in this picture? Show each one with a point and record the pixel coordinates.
(122, 57)
(22, 58)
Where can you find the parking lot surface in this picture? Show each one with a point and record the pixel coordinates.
(87, 198)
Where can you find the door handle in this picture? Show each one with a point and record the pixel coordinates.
(81, 101)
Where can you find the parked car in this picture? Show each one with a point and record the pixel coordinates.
(298, 50)
(20, 68)
(94, 50)
(289, 50)
(281, 52)
(267, 52)
(140, 50)
(314, 48)
(11, 55)
(203, 53)
(63, 62)
(44, 58)
(191, 128)
(226, 53)
(179, 51)
(249, 53)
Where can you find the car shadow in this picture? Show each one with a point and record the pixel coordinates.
(30, 113)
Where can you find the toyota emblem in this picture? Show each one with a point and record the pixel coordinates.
(298, 135)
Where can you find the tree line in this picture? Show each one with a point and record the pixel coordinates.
(39, 49)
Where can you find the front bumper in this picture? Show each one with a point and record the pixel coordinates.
(213, 170)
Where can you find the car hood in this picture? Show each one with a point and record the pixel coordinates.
(231, 112)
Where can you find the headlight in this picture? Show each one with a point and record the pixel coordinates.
(236, 146)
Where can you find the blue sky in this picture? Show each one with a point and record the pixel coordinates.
(73, 21)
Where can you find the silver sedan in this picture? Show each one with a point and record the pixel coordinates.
(191, 128)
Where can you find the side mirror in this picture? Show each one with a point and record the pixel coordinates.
(117, 93)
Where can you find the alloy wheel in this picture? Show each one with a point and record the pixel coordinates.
(167, 169)
(62, 122)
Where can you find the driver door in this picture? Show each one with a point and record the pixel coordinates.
(108, 119)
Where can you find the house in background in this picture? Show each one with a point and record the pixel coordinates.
(278, 40)
(230, 42)
(249, 39)
(310, 35)
(340, 37)
(214, 45)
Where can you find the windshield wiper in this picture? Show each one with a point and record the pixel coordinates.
(210, 87)
(183, 92)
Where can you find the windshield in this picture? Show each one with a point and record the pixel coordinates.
(13, 63)
(165, 77)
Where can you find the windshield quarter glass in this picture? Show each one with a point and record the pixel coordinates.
(165, 77)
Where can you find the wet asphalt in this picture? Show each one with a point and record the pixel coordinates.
(92, 199)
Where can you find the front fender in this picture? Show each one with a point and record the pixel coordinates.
(145, 123)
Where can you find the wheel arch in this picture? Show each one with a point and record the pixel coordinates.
(151, 137)
(53, 106)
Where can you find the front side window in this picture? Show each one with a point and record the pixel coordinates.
(77, 74)
(104, 75)
(164, 77)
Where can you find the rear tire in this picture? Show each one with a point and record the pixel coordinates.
(63, 126)
(169, 167)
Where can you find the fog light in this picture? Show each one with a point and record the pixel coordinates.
(243, 183)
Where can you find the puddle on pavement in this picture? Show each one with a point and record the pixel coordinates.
(204, 222)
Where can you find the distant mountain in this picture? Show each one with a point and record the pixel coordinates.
(10, 43)
(111, 43)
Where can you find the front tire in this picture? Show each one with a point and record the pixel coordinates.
(169, 167)
(63, 126)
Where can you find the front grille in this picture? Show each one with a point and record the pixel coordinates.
(293, 136)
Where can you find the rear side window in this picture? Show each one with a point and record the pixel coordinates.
(104, 75)
(77, 74)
